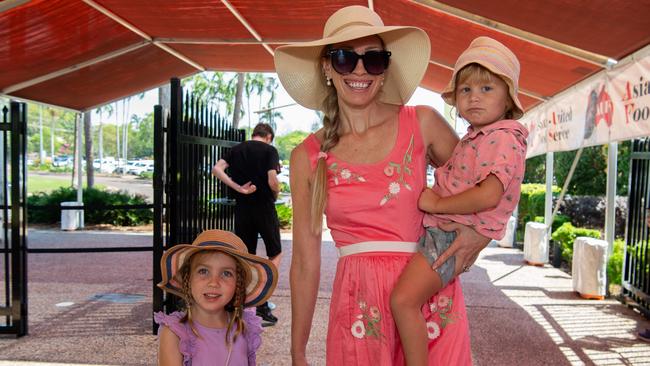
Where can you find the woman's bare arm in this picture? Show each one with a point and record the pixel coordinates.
(304, 275)
(439, 138)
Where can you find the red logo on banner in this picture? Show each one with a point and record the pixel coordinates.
(604, 108)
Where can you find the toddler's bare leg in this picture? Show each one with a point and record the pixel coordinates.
(415, 286)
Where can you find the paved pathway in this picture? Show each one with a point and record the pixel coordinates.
(95, 309)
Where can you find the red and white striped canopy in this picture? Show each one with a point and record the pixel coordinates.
(80, 54)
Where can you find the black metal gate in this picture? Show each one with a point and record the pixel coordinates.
(636, 266)
(187, 198)
(13, 264)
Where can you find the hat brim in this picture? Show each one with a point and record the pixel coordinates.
(299, 68)
(449, 93)
(262, 275)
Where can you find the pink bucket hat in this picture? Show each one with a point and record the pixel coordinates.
(495, 57)
(261, 274)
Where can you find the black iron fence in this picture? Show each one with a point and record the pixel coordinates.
(636, 266)
(13, 265)
(187, 198)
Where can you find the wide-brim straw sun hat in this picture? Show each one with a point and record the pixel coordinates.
(299, 65)
(497, 58)
(261, 274)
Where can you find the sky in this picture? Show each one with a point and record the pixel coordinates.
(294, 118)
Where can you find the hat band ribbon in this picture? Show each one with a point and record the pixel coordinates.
(378, 246)
(346, 25)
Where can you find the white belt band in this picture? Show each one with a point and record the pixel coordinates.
(378, 246)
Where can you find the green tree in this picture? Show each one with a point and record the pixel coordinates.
(590, 176)
(214, 88)
(254, 86)
(535, 169)
(58, 130)
(288, 142)
(270, 115)
(142, 139)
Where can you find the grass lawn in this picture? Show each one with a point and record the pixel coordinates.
(39, 183)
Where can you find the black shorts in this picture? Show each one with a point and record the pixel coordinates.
(260, 219)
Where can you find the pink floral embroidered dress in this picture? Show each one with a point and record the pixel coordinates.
(378, 202)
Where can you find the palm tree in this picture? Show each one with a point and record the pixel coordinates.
(108, 109)
(90, 172)
(270, 113)
(254, 83)
(238, 95)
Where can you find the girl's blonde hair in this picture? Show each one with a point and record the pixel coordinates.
(236, 305)
(476, 73)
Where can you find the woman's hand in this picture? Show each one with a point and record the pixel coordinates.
(466, 247)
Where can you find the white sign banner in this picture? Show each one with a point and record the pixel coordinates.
(612, 106)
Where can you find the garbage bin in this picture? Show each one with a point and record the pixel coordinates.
(508, 240)
(589, 267)
(71, 219)
(536, 243)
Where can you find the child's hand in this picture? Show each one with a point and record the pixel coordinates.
(247, 188)
(428, 201)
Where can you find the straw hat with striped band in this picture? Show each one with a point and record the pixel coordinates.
(261, 274)
(300, 72)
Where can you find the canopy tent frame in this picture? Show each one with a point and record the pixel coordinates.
(246, 27)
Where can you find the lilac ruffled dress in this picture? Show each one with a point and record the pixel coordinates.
(211, 349)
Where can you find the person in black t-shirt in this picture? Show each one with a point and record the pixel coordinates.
(253, 167)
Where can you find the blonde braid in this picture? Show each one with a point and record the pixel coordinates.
(331, 124)
(237, 304)
(184, 274)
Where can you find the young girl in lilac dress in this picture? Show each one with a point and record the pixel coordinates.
(479, 186)
(217, 279)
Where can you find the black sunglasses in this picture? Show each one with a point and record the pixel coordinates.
(345, 61)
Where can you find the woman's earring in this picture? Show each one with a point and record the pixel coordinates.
(382, 82)
(329, 81)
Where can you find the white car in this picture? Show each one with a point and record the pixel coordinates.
(283, 177)
(105, 165)
(141, 167)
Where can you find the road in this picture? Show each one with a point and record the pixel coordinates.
(127, 182)
(132, 184)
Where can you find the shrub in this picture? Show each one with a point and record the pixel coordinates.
(567, 234)
(558, 221)
(589, 211)
(284, 188)
(44, 207)
(531, 204)
(615, 262)
(285, 215)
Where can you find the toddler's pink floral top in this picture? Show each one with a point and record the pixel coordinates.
(498, 149)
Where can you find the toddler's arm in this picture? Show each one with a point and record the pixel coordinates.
(485, 195)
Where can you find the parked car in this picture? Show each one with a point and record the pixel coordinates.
(141, 167)
(124, 168)
(105, 165)
(62, 161)
(283, 176)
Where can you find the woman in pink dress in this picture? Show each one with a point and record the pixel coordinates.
(365, 169)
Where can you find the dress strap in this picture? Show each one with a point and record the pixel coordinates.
(378, 246)
(312, 145)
